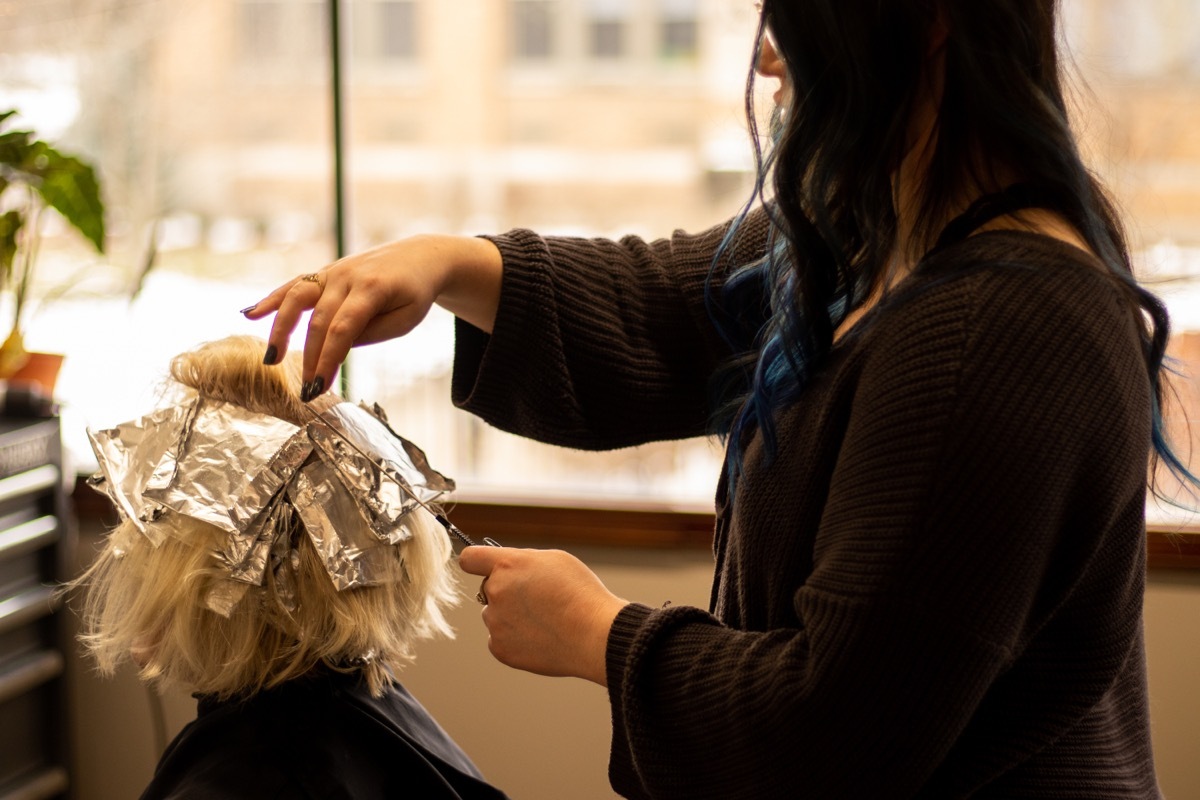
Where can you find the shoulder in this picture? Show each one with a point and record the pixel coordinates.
(289, 742)
(1002, 321)
(230, 750)
(1019, 266)
(1021, 289)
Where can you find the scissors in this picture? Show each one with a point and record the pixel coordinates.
(457, 537)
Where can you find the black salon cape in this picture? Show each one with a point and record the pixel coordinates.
(323, 738)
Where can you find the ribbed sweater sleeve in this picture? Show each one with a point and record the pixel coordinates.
(600, 344)
(974, 590)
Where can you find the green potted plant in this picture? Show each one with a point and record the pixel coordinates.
(35, 176)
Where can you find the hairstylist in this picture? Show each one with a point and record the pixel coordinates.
(937, 382)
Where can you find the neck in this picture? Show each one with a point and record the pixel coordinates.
(910, 179)
(916, 227)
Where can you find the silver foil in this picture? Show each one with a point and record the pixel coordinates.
(262, 480)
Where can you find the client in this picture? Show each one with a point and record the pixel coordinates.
(274, 560)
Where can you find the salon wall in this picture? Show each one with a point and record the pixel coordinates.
(1173, 645)
(545, 739)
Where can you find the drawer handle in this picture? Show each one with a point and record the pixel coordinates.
(26, 607)
(28, 536)
(46, 784)
(30, 672)
(33, 480)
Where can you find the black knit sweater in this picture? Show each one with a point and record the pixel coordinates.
(934, 588)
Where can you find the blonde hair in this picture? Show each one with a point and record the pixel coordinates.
(146, 603)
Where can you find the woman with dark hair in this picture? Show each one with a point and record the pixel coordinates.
(939, 386)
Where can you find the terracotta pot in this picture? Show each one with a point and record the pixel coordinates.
(41, 369)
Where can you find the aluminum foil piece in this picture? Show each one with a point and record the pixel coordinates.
(139, 456)
(226, 470)
(373, 461)
(351, 553)
(223, 596)
(260, 480)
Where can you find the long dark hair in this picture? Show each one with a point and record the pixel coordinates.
(856, 69)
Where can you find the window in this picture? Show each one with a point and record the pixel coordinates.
(1137, 37)
(261, 31)
(607, 28)
(628, 40)
(277, 32)
(231, 173)
(533, 29)
(1142, 39)
(678, 29)
(390, 29)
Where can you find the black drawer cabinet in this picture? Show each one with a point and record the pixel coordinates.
(34, 540)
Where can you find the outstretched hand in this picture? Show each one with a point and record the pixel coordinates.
(380, 294)
(545, 611)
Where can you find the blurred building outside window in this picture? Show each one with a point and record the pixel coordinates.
(679, 29)
(396, 28)
(281, 31)
(607, 23)
(210, 122)
(533, 29)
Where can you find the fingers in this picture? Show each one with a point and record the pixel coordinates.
(341, 321)
(545, 611)
(481, 560)
(479, 563)
(371, 296)
(317, 372)
(337, 322)
(288, 302)
(273, 301)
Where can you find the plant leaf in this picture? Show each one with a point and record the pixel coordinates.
(10, 224)
(14, 145)
(69, 186)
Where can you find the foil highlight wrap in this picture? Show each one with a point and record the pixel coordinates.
(265, 482)
(225, 470)
(139, 456)
(362, 444)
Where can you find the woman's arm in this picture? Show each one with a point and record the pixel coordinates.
(382, 293)
(600, 343)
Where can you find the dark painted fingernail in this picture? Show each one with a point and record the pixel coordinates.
(248, 309)
(312, 389)
(271, 355)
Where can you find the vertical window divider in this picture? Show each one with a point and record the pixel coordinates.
(339, 150)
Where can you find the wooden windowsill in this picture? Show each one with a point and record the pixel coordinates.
(552, 522)
(559, 525)
(1173, 549)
